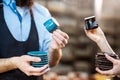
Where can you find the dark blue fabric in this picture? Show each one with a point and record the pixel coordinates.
(1, 4)
(10, 47)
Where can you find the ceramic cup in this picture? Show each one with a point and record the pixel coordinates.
(42, 55)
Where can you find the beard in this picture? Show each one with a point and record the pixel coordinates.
(24, 3)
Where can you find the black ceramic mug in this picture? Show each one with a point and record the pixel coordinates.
(102, 62)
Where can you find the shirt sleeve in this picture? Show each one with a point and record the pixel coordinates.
(46, 42)
(41, 15)
(43, 11)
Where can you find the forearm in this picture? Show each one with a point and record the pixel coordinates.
(6, 65)
(104, 46)
(54, 56)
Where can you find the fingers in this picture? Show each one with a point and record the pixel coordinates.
(24, 66)
(59, 42)
(60, 37)
(45, 71)
(34, 69)
(108, 72)
(118, 76)
(85, 30)
(63, 34)
(110, 58)
(93, 31)
(35, 59)
(37, 71)
(112, 75)
(31, 58)
(41, 73)
(88, 32)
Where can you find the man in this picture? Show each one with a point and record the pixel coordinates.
(21, 31)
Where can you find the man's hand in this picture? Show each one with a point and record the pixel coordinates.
(60, 39)
(23, 63)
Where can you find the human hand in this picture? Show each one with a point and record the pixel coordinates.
(60, 39)
(23, 63)
(96, 35)
(115, 70)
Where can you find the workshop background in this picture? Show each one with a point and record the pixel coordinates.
(77, 62)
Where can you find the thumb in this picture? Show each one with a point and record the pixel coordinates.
(104, 72)
(34, 59)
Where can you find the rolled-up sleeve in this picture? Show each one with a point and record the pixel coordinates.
(41, 15)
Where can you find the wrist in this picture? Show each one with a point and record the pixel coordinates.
(54, 56)
(54, 50)
(13, 61)
(104, 46)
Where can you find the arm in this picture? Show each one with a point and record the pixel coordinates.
(55, 56)
(59, 40)
(99, 38)
(6, 65)
(22, 63)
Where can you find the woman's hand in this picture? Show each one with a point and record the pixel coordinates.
(95, 34)
(23, 63)
(115, 70)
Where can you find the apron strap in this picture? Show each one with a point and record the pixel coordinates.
(1, 4)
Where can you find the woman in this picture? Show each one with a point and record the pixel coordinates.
(99, 38)
(21, 31)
